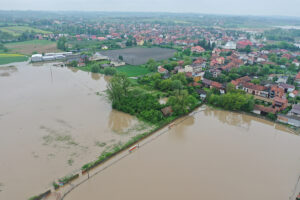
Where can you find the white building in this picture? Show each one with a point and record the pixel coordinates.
(36, 58)
(230, 45)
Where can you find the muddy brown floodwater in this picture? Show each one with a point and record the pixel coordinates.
(213, 155)
(51, 123)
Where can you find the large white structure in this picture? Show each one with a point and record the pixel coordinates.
(50, 56)
(36, 58)
(230, 45)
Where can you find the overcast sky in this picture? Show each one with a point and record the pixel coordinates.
(235, 7)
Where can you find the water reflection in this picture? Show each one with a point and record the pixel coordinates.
(179, 131)
(73, 69)
(233, 119)
(119, 121)
(95, 76)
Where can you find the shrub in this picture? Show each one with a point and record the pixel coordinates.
(95, 68)
(110, 71)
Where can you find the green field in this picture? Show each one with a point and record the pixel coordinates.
(18, 30)
(129, 70)
(10, 58)
(133, 71)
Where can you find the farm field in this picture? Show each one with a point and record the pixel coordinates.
(18, 30)
(28, 47)
(138, 55)
(6, 58)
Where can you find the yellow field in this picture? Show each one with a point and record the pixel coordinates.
(10, 55)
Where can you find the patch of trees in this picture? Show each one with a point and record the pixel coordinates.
(135, 102)
(236, 100)
(282, 45)
(62, 44)
(282, 34)
(145, 105)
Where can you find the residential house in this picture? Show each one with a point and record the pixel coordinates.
(296, 110)
(262, 110)
(215, 72)
(254, 89)
(201, 93)
(197, 49)
(280, 103)
(213, 84)
(117, 63)
(287, 87)
(243, 44)
(162, 70)
(289, 119)
(276, 91)
(188, 68)
(282, 79)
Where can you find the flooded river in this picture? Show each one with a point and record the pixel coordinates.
(212, 155)
(53, 120)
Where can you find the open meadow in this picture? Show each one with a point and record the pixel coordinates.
(32, 46)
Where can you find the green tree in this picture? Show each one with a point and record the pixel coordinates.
(95, 68)
(62, 43)
(117, 88)
(151, 65)
(110, 71)
(182, 102)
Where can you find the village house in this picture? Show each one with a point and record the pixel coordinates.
(117, 63)
(279, 103)
(289, 119)
(188, 68)
(254, 89)
(213, 84)
(287, 87)
(243, 44)
(295, 110)
(197, 49)
(162, 70)
(262, 110)
(276, 91)
(201, 93)
(215, 72)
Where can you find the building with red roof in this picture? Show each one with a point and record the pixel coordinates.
(243, 43)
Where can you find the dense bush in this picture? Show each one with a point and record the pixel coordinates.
(233, 101)
(95, 68)
(110, 71)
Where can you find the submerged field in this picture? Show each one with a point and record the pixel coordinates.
(6, 58)
(32, 46)
(52, 123)
(138, 55)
